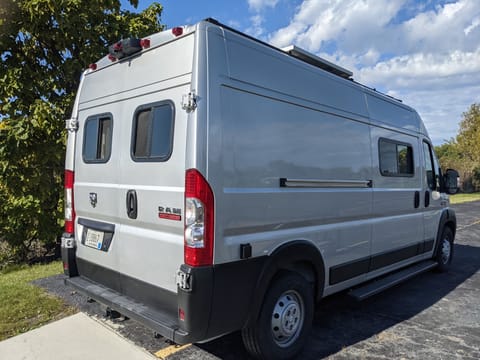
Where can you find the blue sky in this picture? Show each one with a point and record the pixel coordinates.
(426, 53)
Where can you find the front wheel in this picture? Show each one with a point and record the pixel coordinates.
(285, 319)
(444, 253)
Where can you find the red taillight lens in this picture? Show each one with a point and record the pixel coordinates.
(177, 31)
(69, 208)
(199, 220)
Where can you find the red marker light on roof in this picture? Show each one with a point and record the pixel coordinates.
(177, 31)
(145, 43)
(93, 66)
(112, 58)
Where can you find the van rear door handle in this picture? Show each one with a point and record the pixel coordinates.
(427, 198)
(416, 199)
(132, 204)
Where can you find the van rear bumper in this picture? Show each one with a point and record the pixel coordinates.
(160, 321)
(218, 302)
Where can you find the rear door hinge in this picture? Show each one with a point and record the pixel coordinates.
(189, 101)
(71, 124)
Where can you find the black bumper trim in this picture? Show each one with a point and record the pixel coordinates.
(218, 302)
(163, 323)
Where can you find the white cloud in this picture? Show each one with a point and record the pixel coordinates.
(475, 23)
(427, 55)
(350, 22)
(256, 29)
(442, 29)
(258, 5)
(405, 71)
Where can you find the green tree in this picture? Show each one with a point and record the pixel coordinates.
(468, 140)
(463, 153)
(45, 45)
(468, 137)
(448, 155)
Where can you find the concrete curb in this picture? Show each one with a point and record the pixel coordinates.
(77, 337)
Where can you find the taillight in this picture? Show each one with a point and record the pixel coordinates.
(199, 218)
(69, 208)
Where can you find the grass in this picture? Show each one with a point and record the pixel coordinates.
(24, 306)
(462, 198)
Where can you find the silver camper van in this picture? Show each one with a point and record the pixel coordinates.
(216, 183)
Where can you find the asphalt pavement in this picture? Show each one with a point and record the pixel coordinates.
(432, 316)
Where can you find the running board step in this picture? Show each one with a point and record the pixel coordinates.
(377, 286)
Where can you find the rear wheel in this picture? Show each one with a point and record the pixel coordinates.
(445, 250)
(285, 319)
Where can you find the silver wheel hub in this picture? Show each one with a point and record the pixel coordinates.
(446, 250)
(287, 318)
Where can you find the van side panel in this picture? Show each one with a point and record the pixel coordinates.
(255, 64)
(255, 209)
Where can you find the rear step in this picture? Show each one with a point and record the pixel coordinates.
(373, 288)
(160, 322)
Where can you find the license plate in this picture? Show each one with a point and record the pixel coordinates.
(94, 239)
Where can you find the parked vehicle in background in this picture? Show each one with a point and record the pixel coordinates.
(215, 183)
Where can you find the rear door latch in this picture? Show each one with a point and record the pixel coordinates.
(189, 101)
(71, 125)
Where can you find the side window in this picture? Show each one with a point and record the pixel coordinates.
(396, 159)
(429, 168)
(152, 138)
(97, 139)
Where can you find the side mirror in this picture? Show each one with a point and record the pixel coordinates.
(451, 181)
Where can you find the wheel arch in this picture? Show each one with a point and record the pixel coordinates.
(447, 219)
(298, 256)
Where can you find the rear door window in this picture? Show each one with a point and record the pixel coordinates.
(152, 138)
(97, 139)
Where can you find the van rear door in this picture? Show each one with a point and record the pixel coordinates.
(130, 170)
(151, 182)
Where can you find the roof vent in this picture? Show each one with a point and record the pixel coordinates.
(317, 61)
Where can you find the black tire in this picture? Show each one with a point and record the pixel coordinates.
(444, 254)
(285, 319)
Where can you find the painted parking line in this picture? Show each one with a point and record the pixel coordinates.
(468, 225)
(170, 350)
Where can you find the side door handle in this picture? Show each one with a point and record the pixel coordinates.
(427, 198)
(132, 206)
(416, 199)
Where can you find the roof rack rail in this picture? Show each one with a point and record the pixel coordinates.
(377, 91)
(317, 61)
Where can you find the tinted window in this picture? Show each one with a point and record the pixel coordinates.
(396, 159)
(97, 142)
(153, 133)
